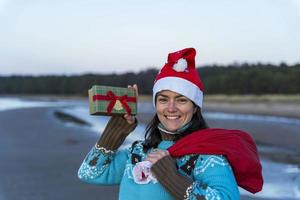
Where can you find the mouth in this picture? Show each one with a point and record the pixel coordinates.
(172, 117)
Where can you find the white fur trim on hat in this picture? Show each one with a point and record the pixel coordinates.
(180, 86)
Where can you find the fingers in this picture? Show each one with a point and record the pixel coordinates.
(129, 118)
(156, 155)
(135, 87)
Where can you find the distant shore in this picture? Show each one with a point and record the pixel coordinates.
(280, 109)
(281, 105)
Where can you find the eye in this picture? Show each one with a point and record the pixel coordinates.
(182, 100)
(162, 100)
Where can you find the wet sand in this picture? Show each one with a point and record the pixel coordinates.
(40, 155)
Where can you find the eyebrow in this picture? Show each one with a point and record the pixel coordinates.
(168, 96)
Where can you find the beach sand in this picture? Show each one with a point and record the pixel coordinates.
(40, 155)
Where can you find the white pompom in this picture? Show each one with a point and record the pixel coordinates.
(181, 65)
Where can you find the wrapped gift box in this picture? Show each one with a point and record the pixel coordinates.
(106, 100)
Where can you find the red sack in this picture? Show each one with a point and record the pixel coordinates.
(237, 146)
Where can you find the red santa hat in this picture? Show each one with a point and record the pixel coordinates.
(179, 75)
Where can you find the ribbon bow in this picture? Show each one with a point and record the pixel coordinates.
(110, 96)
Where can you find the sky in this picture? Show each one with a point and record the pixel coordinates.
(39, 37)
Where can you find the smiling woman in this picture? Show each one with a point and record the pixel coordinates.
(180, 158)
(174, 110)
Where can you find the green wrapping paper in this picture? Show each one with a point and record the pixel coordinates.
(107, 100)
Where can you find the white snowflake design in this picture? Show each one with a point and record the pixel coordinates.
(211, 161)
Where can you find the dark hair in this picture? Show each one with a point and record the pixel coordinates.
(153, 136)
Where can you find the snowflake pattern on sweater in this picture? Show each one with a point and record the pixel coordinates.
(211, 174)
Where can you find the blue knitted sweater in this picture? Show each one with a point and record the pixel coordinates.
(211, 175)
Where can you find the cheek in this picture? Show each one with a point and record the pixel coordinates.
(189, 114)
(159, 109)
(160, 115)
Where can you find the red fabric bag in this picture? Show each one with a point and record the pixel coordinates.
(237, 146)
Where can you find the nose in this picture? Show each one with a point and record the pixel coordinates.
(172, 106)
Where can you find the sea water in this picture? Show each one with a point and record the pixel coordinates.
(281, 180)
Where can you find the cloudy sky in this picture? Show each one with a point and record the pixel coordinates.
(81, 36)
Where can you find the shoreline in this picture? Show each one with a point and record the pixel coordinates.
(270, 105)
(290, 110)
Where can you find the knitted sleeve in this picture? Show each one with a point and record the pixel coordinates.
(103, 164)
(115, 132)
(212, 178)
(166, 173)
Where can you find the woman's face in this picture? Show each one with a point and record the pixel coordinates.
(173, 110)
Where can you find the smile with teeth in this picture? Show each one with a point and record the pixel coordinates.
(172, 117)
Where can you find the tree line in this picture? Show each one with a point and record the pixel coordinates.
(231, 79)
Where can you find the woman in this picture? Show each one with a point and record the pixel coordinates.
(177, 159)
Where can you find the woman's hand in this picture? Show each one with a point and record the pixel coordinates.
(156, 155)
(129, 118)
